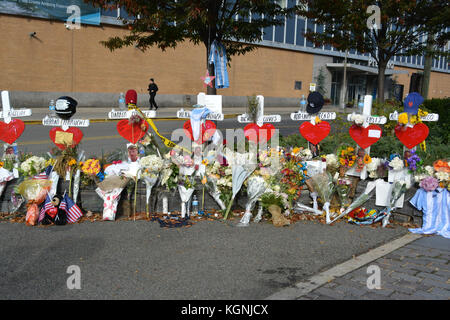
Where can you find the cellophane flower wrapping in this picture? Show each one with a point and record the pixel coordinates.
(5, 176)
(398, 190)
(256, 186)
(343, 186)
(242, 166)
(324, 186)
(358, 202)
(150, 182)
(34, 191)
(110, 201)
(185, 195)
(213, 190)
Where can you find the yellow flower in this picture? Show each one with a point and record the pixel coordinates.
(2, 164)
(72, 162)
(205, 162)
(414, 119)
(296, 150)
(367, 159)
(351, 163)
(342, 161)
(353, 158)
(403, 118)
(350, 149)
(318, 120)
(204, 180)
(422, 113)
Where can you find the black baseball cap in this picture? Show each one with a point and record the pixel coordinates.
(315, 102)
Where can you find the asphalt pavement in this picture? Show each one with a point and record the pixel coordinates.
(141, 260)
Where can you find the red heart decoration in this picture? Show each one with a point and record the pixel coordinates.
(10, 132)
(77, 136)
(132, 132)
(411, 137)
(207, 130)
(253, 132)
(315, 133)
(410, 103)
(365, 137)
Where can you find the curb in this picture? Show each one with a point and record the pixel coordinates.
(318, 280)
(227, 116)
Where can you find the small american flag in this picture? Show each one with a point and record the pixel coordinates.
(45, 174)
(47, 205)
(72, 210)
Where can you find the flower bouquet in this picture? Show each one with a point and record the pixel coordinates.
(398, 190)
(32, 166)
(242, 166)
(275, 203)
(185, 189)
(151, 166)
(256, 186)
(5, 176)
(343, 186)
(34, 191)
(347, 158)
(324, 186)
(358, 202)
(109, 188)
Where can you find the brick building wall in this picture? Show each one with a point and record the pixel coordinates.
(58, 59)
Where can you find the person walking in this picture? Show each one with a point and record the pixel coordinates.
(152, 88)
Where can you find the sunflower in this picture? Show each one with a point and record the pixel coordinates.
(367, 159)
(296, 150)
(205, 162)
(351, 163)
(342, 161)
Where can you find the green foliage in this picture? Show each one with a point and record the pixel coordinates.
(440, 128)
(252, 107)
(268, 199)
(166, 23)
(437, 143)
(320, 81)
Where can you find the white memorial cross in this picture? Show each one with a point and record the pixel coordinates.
(8, 112)
(261, 118)
(305, 116)
(368, 120)
(404, 174)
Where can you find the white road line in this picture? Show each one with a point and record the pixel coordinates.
(342, 269)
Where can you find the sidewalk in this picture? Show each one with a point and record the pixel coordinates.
(101, 114)
(419, 270)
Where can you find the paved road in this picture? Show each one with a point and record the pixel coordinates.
(140, 260)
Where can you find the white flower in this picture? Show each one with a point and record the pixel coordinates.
(38, 163)
(442, 176)
(332, 161)
(306, 154)
(396, 163)
(373, 174)
(358, 118)
(276, 188)
(429, 170)
(228, 171)
(373, 165)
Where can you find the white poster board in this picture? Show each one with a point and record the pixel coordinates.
(212, 102)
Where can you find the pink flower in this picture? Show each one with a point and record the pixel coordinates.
(429, 183)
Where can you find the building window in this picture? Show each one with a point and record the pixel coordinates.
(298, 85)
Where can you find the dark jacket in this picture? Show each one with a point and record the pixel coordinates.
(152, 88)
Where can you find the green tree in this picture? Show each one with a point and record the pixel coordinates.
(237, 24)
(398, 31)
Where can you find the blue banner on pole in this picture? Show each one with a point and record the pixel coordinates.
(65, 10)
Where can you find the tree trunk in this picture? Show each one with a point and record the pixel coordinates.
(381, 71)
(427, 67)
